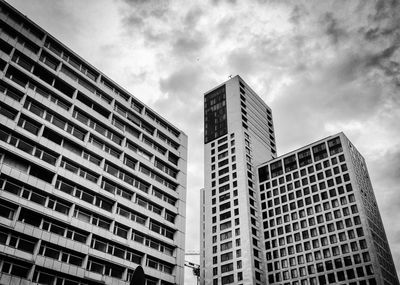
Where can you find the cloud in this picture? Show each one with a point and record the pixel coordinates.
(297, 14)
(345, 90)
(384, 21)
(145, 19)
(133, 20)
(189, 44)
(332, 28)
(224, 28)
(385, 9)
(217, 2)
(182, 82)
(386, 190)
(193, 16)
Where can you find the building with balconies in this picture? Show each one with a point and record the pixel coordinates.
(92, 181)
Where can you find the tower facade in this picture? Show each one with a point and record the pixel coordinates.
(308, 217)
(92, 181)
(238, 136)
(320, 220)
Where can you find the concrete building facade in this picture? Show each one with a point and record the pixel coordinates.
(308, 217)
(92, 181)
(321, 222)
(239, 135)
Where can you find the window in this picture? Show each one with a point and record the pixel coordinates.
(7, 111)
(319, 151)
(29, 125)
(98, 127)
(225, 235)
(92, 105)
(159, 178)
(16, 267)
(226, 246)
(227, 279)
(61, 254)
(128, 178)
(10, 91)
(91, 218)
(49, 60)
(104, 268)
(228, 256)
(162, 230)
(77, 169)
(105, 147)
(226, 267)
(165, 168)
(18, 241)
(160, 122)
(32, 149)
(159, 265)
(35, 195)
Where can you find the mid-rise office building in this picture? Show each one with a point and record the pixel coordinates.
(92, 181)
(238, 135)
(321, 223)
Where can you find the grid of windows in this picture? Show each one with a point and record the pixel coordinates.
(313, 231)
(65, 177)
(224, 202)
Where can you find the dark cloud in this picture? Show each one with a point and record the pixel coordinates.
(385, 9)
(217, 2)
(192, 17)
(297, 14)
(133, 20)
(374, 33)
(188, 40)
(384, 21)
(138, 15)
(332, 28)
(225, 28)
(383, 60)
(189, 44)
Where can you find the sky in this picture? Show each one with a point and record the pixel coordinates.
(322, 66)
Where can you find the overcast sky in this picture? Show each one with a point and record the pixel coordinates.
(322, 66)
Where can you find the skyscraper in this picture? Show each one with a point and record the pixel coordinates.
(308, 217)
(321, 222)
(92, 181)
(238, 135)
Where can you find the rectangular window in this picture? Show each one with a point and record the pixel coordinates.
(10, 91)
(29, 125)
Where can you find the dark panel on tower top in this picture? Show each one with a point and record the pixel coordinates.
(215, 122)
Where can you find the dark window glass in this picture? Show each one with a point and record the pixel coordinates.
(215, 120)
